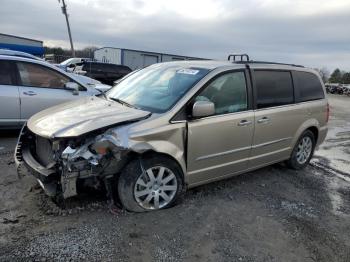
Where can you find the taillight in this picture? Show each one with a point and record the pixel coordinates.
(327, 116)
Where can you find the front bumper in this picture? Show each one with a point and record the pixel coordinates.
(46, 177)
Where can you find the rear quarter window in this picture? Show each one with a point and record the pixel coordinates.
(308, 86)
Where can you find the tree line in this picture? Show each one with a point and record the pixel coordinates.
(340, 77)
(87, 52)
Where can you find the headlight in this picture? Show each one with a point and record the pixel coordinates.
(105, 143)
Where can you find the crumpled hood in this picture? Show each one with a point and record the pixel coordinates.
(81, 116)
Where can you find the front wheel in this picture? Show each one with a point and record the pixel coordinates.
(303, 151)
(150, 184)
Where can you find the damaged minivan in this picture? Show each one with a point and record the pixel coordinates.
(176, 125)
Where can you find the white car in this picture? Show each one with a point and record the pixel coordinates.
(91, 82)
(29, 86)
(70, 64)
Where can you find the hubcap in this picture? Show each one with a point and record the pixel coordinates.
(155, 188)
(304, 150)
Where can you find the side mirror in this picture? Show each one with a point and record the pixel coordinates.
(71, 66)
(72, 86)
(203, 108)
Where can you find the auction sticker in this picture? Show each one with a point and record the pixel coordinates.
(188, 71)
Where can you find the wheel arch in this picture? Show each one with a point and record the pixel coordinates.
(152, 153)
(311, 124)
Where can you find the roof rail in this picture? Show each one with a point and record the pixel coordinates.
(266, 62)
(242, 56)
(244, 59)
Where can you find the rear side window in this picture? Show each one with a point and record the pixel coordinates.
(308, 86)
(6, 76)
(274, 88)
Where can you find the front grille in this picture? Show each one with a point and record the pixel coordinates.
(43, 149)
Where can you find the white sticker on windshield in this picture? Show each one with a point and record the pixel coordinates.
(187, 71)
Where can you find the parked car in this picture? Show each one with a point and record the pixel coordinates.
(30, 85)
(69, 64)
(104, 72)
(177, 125)
(346, 90)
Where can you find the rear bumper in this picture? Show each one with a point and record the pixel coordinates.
(322, 133)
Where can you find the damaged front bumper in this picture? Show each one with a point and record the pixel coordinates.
(58, 171)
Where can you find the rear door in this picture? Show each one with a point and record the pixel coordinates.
(277, 118)
(9, 94)
(220, 145)
(42, 87)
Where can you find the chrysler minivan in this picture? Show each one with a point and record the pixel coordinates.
(176, 125)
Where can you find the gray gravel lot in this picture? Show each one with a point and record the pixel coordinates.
(272, 214)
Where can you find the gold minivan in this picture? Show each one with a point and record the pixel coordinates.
(176, 125)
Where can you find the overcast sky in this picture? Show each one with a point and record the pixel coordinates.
(311, 32)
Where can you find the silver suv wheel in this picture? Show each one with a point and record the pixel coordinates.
(304, 150)
(155, 188)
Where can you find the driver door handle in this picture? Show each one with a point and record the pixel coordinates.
(263, 120)
(244, 123)
(29, 93)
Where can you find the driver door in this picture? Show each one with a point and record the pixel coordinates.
(220, 145)
(42, 87)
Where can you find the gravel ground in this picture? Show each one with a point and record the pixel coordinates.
(272, 214)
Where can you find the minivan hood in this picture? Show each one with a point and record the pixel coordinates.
(81, 116)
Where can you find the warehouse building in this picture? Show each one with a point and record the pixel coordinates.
(17, 43)
(135, 59)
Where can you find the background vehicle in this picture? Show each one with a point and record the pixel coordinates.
(104, 72)
(70, 64)
(87, 81)
(176, 125)
(30, 85)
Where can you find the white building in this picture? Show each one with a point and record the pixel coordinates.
(135, 59)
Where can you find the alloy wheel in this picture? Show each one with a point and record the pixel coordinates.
(155, 188)
(304, 150)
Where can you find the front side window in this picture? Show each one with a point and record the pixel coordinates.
(274, 88)
(158, 87)
(38, 76)
(308, 85)
(6, 73)
(228, 92)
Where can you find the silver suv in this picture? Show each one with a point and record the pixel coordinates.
(29, 85)
(177, 125)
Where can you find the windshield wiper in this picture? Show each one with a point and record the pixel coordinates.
(123, 102)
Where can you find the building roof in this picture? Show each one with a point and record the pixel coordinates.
(20, 37)
(150, 52)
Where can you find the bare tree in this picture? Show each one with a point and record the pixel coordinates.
(324, 73)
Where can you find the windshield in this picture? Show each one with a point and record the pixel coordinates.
(69, 61)
(158, 87)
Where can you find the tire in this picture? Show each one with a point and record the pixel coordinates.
(138, 192)
(295, 160)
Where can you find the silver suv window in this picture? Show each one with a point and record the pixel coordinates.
(228, 92)
(38, 76)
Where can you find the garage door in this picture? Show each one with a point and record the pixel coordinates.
(149, 60)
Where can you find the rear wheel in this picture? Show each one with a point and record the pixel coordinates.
(303, 151)
(150, 184)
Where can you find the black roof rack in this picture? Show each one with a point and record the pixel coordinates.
(242, 56)
(244, 59)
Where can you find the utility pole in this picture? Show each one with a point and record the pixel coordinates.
(64, 11)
